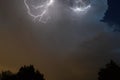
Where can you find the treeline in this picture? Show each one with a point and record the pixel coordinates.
(110, 72)
(24, 73)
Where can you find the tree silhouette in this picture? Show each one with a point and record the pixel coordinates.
(24, 73)
(110, 72)
(7, 75)
(29, 73)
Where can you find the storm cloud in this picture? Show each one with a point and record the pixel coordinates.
(69, 46)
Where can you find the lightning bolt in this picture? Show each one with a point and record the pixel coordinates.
(45, 7)
(41, 11)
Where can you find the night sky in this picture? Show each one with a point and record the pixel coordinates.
(68, 46)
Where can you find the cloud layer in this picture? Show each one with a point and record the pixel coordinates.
(70, 46)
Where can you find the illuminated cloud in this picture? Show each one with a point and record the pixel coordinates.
(81, 9)
(79, 6)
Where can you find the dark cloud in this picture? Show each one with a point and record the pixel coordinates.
(112, 15)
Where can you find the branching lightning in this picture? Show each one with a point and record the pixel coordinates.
(44, 7)
(41, 10)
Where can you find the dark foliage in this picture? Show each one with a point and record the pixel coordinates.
(110, 72)
(24, 73)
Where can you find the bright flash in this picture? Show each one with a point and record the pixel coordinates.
(81, 9)
(38, 11)
(80, 6)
